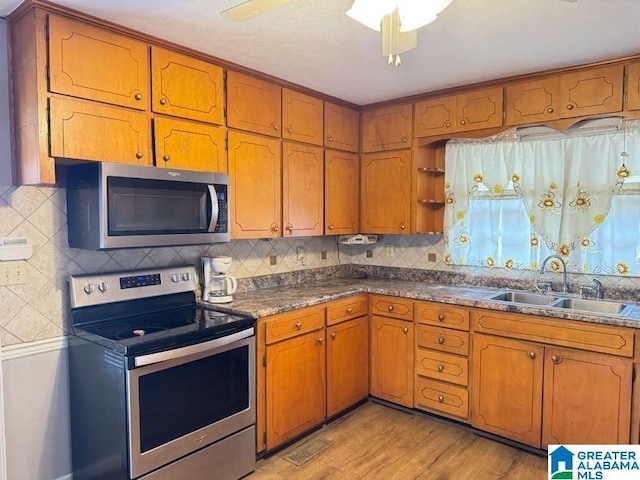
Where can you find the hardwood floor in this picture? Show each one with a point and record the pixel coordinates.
(378, 442)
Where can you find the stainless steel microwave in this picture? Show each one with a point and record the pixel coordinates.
(112, 205)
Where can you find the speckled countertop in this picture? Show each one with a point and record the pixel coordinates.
(269, 301)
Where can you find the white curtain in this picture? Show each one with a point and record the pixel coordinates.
(511, 202)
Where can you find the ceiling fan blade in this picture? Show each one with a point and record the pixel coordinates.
(250, 9)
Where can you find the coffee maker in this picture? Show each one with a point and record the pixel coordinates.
(218, 287)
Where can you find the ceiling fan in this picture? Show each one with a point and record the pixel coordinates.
(251, 8)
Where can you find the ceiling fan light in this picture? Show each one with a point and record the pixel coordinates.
(370, 12)
(415, 14)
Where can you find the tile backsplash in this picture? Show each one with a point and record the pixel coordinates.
(38, 309)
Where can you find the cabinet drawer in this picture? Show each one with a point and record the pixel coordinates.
(347, 308)
(442, 315)
(392, 307)
(442, 339)
(291, 324)
(442, 397)
(566, 333)
(442, 366)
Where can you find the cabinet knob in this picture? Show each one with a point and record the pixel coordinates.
(447, 125)
(276, 127)
(402, 226)
(441, 317)
(440, 368)
(319, 341)
(289, 228)
(330, 227)
(440, 398)
(290, 129)
(163, 101)
(556, 359)
(275, 229)
(441, 340)
(138, 96)
(390, 308)
(532, 355)
(463, 122)
(333, 335)
(550, 110)
(299, 325)
(405, 330)
(166, 158)
(404, 139)
(139, 155)
(349, 310)
(570, 106)
(330, 139)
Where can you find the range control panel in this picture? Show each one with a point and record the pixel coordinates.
(100, 288)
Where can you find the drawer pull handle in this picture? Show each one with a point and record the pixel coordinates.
(550, 110)
(275, 228)
(166, 158)
(319, 341)
(299, 325)
(138, 96)
(330, 138)
(441, 317)
(440, 398)
(163, 101)
(331, 227)
(349, 310)
(276, 127)
(532, 355)
(447, 124)
(556, 359)
(139, 155)
(441, 340)
(570, 107)
(405, 330)
(290, 129)
(333, 335)
(440, 368)
(390, 308)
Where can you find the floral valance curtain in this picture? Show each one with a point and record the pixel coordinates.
(509, 201)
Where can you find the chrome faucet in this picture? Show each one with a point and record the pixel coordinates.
(599, 289)
(564, 270)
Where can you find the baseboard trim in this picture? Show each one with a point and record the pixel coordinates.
(21, 350)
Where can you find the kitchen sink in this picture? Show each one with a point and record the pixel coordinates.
(594, 306)
(528, 298)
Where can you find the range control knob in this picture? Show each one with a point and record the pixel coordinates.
(186, 276)
(103, 287)
(88, 288)
(175, 277)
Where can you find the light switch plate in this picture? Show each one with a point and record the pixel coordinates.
(13, 273)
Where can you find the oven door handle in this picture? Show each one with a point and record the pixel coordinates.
(152, 358)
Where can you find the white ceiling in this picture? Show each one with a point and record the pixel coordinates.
(314, 44)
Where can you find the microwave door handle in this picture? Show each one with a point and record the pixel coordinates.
(213, 199)
(152, 358)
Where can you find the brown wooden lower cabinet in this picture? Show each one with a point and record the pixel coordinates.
(540, 395)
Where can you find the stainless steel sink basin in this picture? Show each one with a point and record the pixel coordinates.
(528, 298)
(594, 306)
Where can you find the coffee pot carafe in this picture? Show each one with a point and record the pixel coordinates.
(218, 286)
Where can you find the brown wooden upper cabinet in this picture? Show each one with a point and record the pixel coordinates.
(387, 128)
(586, 92)
(459, 113)
(189, 145)
(302, 117)
(96, 64)
(302, 192)
(633, 87)
(341, 192)
(186, 87)
(254, 105)
(385, 194)
(341, 127)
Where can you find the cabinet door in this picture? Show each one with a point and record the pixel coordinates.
(587, 398)
(506, 388)
(302, 190)
(593, 91)
(347, 364)
(253, 104)
(392, 360)
(189, 145)
(534, 101)
(387, 128)
(255, 171)
(295, 387)
(341, 127)
(633, 87)
(186, 87)
(479, 109)
(435, 116)
(341, 192)
(385, 195)
(90, 131)
(302, 117)
(95, 64)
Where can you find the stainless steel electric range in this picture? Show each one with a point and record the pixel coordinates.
(161, 388)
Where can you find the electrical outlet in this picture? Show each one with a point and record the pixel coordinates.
(273, 259)
(13, 273)
(369, 253)
(431, 257)
(301, 253)
(323, 255)
(388, 250)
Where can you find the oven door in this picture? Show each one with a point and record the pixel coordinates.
(184, 399)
